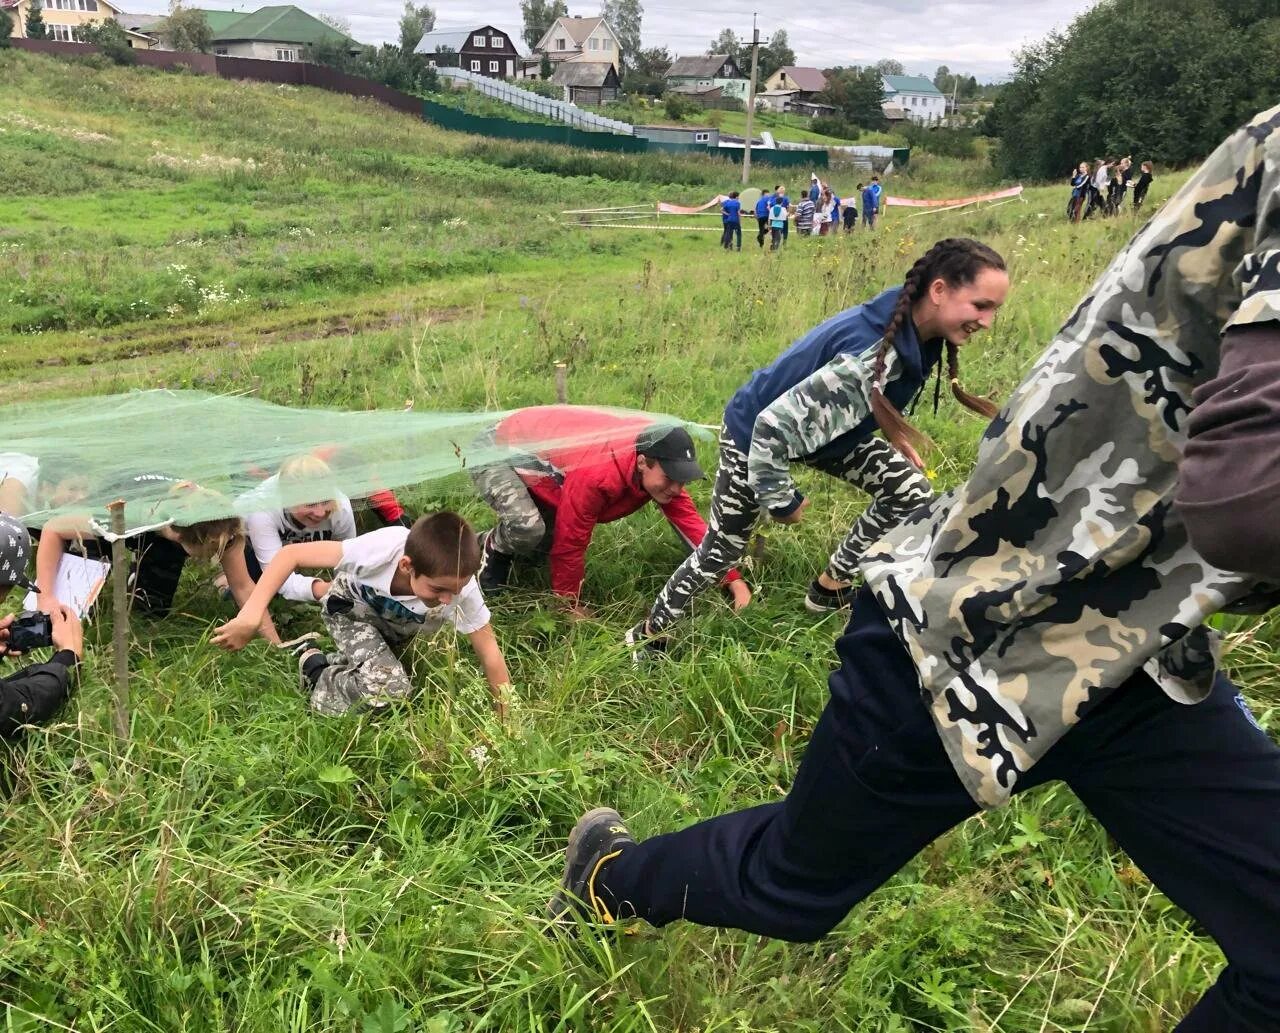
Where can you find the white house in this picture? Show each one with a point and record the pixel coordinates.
(918, 98)
(580, 39)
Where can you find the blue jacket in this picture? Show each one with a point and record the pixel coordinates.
(870, 200)
(762, 206)
(812, 404)
(729, 211)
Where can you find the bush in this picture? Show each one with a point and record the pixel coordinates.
(834, 125)
(679, 107)
(947, 143)
(6, 28)
(542, 87)
(109, 37)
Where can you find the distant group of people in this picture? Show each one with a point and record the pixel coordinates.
(819, 213)
(1102, 187)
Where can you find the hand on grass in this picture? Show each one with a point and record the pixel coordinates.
(235, 634)
(739, 594)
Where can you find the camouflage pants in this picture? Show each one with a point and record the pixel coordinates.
(895, 486)
(521, 527)
(365, 668)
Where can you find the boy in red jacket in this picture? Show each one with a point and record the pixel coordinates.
(549, 497)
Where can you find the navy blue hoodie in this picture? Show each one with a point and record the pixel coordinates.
(813, 402)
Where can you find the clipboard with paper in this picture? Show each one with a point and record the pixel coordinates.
(77, 583)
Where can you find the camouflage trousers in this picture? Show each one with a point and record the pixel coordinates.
(896, 488)
(522, 528)
(365, 668)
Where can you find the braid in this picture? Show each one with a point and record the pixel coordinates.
(956, 260)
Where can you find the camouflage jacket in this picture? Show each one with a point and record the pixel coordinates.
(1060, 568)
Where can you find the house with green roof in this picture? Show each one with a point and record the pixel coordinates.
(282, 33)
(916, 95)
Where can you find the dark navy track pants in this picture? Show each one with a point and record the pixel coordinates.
(1192, 793)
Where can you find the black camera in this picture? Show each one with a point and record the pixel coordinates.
(30, 630)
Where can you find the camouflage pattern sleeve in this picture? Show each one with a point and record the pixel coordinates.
(815, 412)
(1258, 273)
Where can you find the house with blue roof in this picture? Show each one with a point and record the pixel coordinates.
(916, 95)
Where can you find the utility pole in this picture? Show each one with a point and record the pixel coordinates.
(751, 99)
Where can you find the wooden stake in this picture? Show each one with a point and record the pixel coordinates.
(120, 610)
(562, 378)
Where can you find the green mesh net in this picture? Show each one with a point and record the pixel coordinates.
(186, 456)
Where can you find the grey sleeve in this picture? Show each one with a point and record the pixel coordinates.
(829, 403)
(1228, 493)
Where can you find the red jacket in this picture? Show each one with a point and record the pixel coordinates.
(591, 480)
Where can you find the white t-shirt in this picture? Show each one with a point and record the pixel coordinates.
(270, 530)
(1102, 177)
(371, 560)
(24, 469)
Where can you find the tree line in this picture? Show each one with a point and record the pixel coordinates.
(1156, 79)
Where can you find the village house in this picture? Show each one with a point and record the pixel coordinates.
(486, 50)
(587, 82)
(705, 75)
(916, 96)
(283, 33)
(578, 39)
(64, 18)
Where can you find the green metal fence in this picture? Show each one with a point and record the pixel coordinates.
(507, 129)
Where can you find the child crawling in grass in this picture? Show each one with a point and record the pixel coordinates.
(388, 586)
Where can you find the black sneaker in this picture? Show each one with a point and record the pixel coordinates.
(495, 566)
(644, 647)
(828, 600)
(597, 838)
(311, 664)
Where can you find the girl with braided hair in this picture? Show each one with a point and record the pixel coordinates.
(820, 403)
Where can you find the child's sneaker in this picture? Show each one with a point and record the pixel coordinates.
(311, 664)
(597, 838)
(828, 600)
(644, 647)
(495, 566)
(301, 644)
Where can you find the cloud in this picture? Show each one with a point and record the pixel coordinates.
(973, 36)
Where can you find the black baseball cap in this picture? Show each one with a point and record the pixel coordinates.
(672, 449)
(15, 553)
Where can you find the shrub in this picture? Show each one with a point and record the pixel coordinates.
(679, 107)
(109, 37)
(834, 125)
(948, 143)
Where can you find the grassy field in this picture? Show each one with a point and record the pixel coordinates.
(246, 866)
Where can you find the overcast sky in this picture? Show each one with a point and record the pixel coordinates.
(977, 37)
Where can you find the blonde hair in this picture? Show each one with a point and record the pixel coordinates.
(311, 474)
(202, 539)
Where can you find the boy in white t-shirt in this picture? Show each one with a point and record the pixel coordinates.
(388, 586)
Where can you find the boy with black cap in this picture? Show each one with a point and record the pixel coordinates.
(35, 693)
(549, 499)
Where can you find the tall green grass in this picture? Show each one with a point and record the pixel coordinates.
(242, 865)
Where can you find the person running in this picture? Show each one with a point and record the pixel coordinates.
(1142, 184)
(820, 403)
(731, 217)
(388, 586)
(550, 499)
(1045, 621)
(1079, 192)
(762, 215)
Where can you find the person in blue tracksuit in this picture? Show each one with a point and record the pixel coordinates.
(762, 215)
(820, 404)
(731, 217)
(871, 203)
